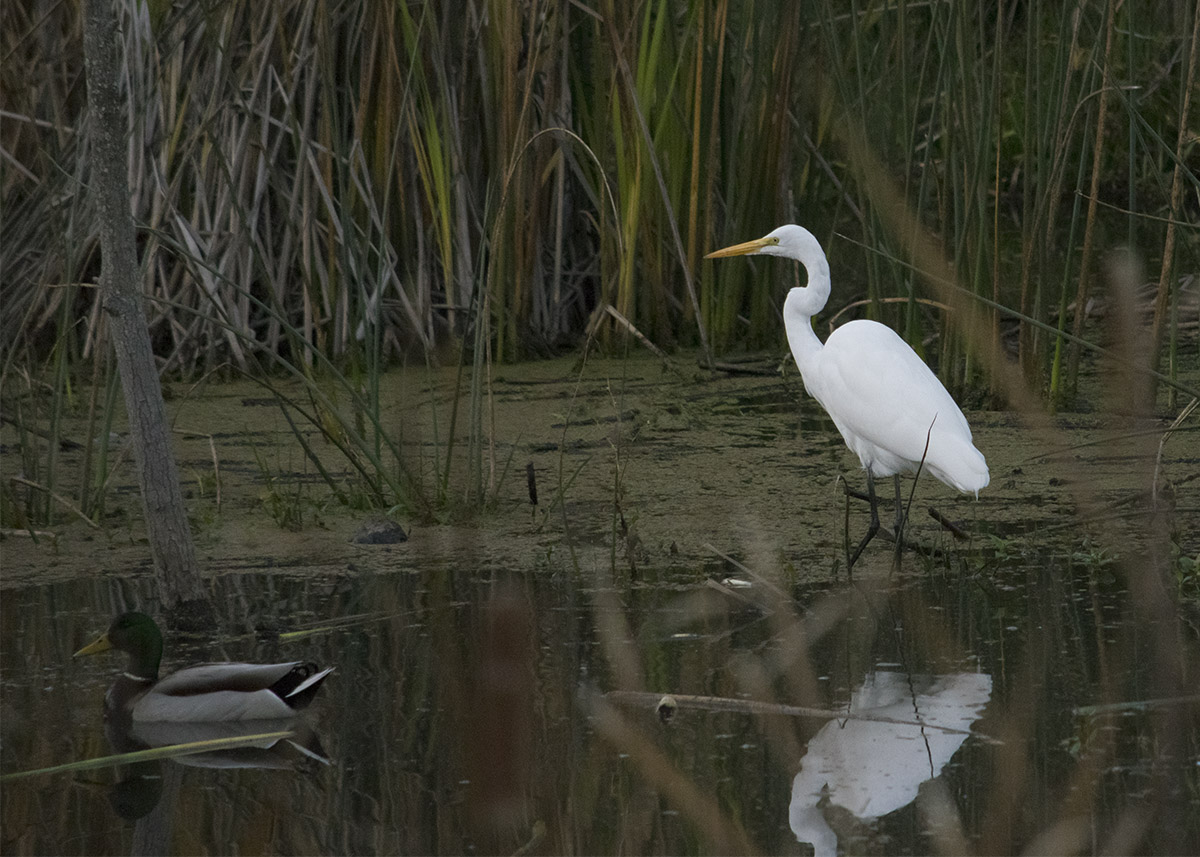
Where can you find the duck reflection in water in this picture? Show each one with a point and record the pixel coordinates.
(871, 768)
(141, 783)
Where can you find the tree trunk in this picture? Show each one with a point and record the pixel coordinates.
(162, 500)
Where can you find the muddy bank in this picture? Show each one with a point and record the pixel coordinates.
(636, 462)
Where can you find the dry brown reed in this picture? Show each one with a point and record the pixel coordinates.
(314, 177)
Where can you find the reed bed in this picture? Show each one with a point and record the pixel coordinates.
(330, 176)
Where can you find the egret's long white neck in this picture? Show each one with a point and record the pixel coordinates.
(803, 303)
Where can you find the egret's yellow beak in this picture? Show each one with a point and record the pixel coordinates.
(100, 644)
(740, 249)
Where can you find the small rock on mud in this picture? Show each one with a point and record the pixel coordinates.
(379, 532)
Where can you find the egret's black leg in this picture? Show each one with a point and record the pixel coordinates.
(871, 530)
(899, 517)
(846, 528)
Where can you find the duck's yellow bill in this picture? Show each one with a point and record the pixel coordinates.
(738, 249)
(100, 644)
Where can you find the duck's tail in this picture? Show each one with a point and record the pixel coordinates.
(301, 684)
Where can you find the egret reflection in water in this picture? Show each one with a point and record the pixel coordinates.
(871, 768)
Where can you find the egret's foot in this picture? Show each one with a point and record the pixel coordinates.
(871, 530)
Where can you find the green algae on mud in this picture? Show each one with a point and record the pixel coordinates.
(636, 462)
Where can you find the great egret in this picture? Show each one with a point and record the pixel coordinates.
(892, 411)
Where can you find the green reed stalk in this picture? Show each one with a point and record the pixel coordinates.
(1085, 263)
(1162, 296)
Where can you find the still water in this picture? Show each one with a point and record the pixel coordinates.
(1023, 690)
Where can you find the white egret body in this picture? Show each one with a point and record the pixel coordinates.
(890, 408)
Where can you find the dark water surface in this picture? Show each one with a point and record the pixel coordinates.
(467, 710)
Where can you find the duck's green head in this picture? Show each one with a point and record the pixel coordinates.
(137, 635)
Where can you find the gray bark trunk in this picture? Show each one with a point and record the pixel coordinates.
(162, 500)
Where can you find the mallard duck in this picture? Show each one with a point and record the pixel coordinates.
(203, 693)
